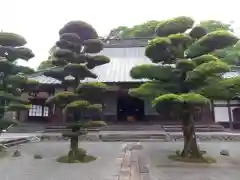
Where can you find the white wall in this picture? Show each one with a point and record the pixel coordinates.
(221, 113)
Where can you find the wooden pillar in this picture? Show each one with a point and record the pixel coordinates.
(230, 115)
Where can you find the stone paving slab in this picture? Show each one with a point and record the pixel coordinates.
(162, 168)
(106, 167)
(133, 165)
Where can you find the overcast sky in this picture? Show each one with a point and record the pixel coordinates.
(39, 21)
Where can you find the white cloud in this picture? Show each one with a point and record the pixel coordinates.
(39, 21)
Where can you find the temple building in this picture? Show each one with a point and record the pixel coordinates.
(118, 105)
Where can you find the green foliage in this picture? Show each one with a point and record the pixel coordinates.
(224, 89)
(8, 96)
(62, 98)
(18, 107)
(213, 25)
(153, 89)
(82, 29)
(72, 57)
(45, 64)
(198, 32)
(78, 70)
(93, 46)
(185, 65)
(230, 55)
(193, 74)
(77, 106)
(174, 26)
(159, 49)
(210, 42)
(97, 60)
(177, 102)
(96, 124)
(152, 72)
(194, 99)
(204, 59)
(146, 29)
(180, 38)
(78, 157)
(12, 79)
(91, 90)
(57, 74)
(24, 69)
(11, 39)
(208, 69)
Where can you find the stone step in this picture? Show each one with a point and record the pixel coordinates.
(198, 128)
(132, 128)
(131, 137)
(14, 142)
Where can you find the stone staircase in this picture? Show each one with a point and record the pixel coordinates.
(135, 136)
(132, 127)
(198, 128)
(26, 128)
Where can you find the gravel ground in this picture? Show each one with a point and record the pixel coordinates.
(27, 168)
(226, 168)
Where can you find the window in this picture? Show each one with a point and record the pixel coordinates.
(38, 110)
(45, 111)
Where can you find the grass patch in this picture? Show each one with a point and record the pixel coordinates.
(86, 159)
(204, 159)
(77, 156)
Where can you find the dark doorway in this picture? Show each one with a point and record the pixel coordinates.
(130, 108)
(236, 115)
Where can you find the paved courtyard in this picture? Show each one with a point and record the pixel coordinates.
(226, 168)
(27, 168)
(106, 168)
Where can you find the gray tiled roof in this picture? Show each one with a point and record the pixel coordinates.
(122, 60)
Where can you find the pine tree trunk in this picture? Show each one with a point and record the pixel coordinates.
(74, 143)
(190, 149)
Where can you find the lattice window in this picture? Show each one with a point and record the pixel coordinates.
(36, 110)
(45, 111)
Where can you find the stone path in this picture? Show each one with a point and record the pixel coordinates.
(133, 164)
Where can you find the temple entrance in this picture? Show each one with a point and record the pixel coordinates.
(130, 108)
(39, 112)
